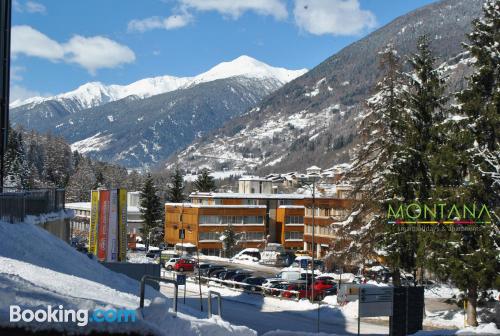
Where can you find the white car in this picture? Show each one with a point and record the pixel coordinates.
(169, 265)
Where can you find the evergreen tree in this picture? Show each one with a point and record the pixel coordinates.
(425, 101)
(470, 259)
(372, 167)
(17, 172)
(151, 213)
(229, 240)
(204, 182)
(175, 192)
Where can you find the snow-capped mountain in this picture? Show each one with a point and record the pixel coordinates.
(164, 114)
(314, 118)
(96, 93)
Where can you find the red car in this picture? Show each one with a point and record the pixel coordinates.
(303, 292)
(321, 285)
(184, 265)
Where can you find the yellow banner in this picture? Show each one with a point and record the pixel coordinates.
(94, 218)
(122, 224)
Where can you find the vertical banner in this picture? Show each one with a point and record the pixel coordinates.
(94, 218)
(112, 250)
(102, 244)
(122, 224)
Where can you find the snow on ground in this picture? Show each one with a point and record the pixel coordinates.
(483, 329)
(441, 292)
(295, 333)
(37, 270)
(94, 143)
(217, 175)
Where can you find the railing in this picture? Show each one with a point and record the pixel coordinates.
(16, 205)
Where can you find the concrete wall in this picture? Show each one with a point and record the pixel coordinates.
(59, 227)
(136, 271)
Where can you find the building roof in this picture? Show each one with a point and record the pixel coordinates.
(247, 196)
(215, 206)
(87, 206)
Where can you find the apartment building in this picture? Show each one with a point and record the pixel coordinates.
(329, 213)
(256, 213)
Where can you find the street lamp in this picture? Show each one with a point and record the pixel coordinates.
(312, 178)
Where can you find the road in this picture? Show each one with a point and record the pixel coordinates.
(264, 317)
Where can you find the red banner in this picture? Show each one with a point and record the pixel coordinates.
(103, 225)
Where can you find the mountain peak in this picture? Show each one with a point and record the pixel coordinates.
(96, 93)
(249, 67)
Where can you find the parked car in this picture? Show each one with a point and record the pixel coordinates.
(153, 254)
(277, 289)
(289, 275)
(169, 264)
(215, 273)
(208, 272)
(301, 291)
(254, 283)
(228, 274)
(271, 281)
(240, 277)
(269, 284)
(182, 265)
(325, 286)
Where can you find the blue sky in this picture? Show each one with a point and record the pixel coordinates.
(59, 45)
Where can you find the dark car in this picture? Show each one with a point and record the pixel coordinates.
(215, 273)
(208, 271)
(277, 289)
(153, 254)
(222, 274)
(240, 277)
(228, 275)
(254, 283)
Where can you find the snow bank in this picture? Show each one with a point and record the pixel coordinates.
(37, 270)
(441, 292)
(483, 329)
(295, 333)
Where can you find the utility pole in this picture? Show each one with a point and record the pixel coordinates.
(5, 23)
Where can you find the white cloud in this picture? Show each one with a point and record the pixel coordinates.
(91, 53)
(235, 8)
(29, 7)
(336, 17)
(29, 41)
(172, 22)
(97, 52)
(35, 7)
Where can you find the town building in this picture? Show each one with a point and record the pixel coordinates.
(80, 223)
(331, 208)
(256, 214)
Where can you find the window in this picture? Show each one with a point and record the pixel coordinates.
(209, 236)
(253, 236)
(253, 220)
(285, 202)
(231, 220)
(294, 220)
(210, 252)
(293, 235)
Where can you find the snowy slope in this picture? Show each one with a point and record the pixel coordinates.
(95, 93)
(50, 272)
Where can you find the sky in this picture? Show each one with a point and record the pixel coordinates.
(59, 45)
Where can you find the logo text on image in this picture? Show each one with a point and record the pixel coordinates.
(80, 317)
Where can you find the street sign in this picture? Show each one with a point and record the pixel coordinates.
(182, 233)
(181, 279)
(375, 301)
(303, 263)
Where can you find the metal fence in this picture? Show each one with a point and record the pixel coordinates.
(16, 205)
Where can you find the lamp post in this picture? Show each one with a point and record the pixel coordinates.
(313, 178)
